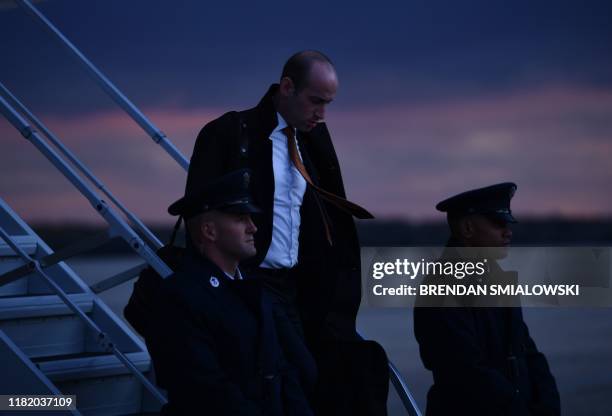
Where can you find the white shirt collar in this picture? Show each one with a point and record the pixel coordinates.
(281, 124)
(237, 276)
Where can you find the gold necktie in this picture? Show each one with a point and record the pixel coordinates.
(338, 201)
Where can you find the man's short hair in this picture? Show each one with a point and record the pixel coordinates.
(297, 68)
(193, 225)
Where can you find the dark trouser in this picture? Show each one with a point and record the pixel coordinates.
(283, 291)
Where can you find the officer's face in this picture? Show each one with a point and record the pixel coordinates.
(235, 235)
(486, 231)
(306, 107)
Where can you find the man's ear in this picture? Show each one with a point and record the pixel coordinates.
(286, 87)
(208, 231)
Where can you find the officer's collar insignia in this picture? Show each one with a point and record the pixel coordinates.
(214, 282)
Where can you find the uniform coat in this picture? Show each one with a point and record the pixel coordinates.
(215, 346)
(468, 349)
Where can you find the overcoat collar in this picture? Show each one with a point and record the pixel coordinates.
(214, 280)
(267, 111)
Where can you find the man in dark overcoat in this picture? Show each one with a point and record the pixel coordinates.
(483, 360)
(307, 245)
(212, 334)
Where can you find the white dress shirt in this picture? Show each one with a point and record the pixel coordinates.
(289, 188)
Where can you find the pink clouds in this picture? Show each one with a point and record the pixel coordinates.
(115, 149)
(398, 160)
(545, 140)
(115, 126)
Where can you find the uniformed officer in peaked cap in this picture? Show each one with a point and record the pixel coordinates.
(481, 218)
(482, 358)
(216, 342)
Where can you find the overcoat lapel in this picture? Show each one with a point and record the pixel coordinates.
(202, 272)
(259, 126)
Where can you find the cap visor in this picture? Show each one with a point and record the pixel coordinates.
(505, 217)
(247, 208)
(177, 207)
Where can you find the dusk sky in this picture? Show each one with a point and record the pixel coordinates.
(435, 97)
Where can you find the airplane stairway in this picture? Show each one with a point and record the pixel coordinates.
(48, 349)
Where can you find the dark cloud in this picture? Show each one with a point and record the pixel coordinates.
(196, 54)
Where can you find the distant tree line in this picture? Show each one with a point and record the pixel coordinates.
(542, 232)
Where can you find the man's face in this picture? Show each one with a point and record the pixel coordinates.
(235, 235)
(306, 107)
(487, 231)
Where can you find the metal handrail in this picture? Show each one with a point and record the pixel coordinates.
(80, 166)
(156, 134)
(403, 391)
(102, 338)
(117, 224)
(401, 388)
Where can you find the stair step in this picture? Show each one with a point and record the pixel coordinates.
(38, 306)
(44, 325)
(27, 243)
(101, 383)
(112, 395)
(90, 365)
